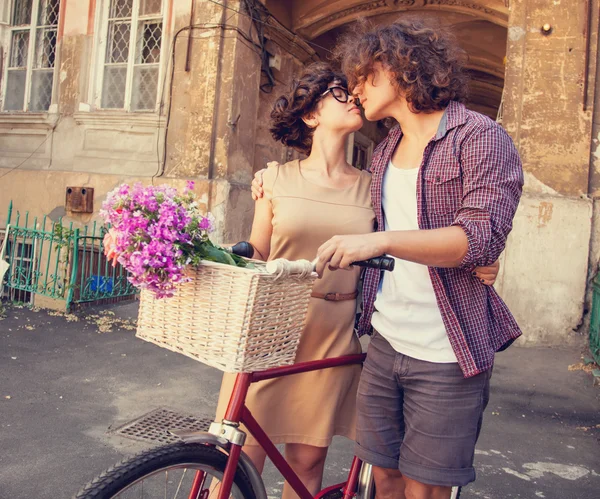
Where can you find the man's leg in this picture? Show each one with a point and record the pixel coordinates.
(389, 483)
(380, 421)
(417, 490)
(443, 413)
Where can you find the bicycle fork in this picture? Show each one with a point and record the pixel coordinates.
(236, 438)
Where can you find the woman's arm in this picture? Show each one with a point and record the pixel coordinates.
(262, 226)
(262, 229)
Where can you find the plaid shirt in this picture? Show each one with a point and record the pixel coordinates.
(471, 176)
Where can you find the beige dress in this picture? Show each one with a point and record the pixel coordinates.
(310, 408)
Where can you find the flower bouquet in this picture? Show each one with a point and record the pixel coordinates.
(196, 298)
(156, 233)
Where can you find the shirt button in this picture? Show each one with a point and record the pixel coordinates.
(438, 179)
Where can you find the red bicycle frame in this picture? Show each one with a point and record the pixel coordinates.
(237, 413)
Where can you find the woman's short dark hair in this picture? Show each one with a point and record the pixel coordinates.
(427, 63)
(287, 125)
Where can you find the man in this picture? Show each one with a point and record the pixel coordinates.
(446, 183)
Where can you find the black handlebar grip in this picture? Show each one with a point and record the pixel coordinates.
(379, 262)
(243, 248)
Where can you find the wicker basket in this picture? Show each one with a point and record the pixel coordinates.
(235, 319)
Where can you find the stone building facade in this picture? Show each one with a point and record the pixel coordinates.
(99, 92)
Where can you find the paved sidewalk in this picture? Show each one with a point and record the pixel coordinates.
(64, 385)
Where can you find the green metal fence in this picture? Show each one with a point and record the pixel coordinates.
(50, 259)
(94, 277)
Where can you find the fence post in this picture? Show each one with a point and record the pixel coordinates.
(10, 208)
(74, 265)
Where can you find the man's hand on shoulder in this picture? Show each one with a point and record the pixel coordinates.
(257, 182)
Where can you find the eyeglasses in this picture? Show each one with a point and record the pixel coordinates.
(340, 94)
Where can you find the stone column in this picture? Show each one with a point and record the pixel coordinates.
(594, 186)
(214, 102)
(546, 260)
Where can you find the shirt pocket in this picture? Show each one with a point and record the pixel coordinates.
(443, 189)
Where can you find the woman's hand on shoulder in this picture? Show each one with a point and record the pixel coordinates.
(487, 275)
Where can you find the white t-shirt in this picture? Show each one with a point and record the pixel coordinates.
(406, 309)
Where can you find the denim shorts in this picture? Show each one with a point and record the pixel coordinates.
(420, 417)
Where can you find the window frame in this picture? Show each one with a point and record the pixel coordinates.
(363, 141)
(29, 70)
(5, 12)
(102, 25)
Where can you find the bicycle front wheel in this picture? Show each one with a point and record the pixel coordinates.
(174, 471)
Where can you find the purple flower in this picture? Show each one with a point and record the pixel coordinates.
(156, 232)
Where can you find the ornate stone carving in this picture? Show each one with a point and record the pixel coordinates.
(314, 29)
(466, 5)
(316, 24)
(366, 7)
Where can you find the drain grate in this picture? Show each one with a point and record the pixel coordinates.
(156, 425)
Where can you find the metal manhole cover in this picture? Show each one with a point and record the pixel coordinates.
(155, 426)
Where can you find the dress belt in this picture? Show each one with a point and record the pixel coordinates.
(335, 296)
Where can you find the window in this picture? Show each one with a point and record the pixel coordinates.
(359, 156)
(4, 11)
(17, 281)
(359, 150)
(32, 52)
(131, 60)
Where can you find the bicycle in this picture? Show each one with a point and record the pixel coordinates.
(218, 466)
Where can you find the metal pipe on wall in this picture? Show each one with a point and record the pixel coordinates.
(188, 55)
(213, 132)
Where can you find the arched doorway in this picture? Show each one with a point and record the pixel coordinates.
(479, 25)
(480, 28)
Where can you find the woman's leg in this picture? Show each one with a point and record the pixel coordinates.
(308, 462)
(257, 454)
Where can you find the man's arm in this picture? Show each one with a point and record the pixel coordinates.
(445, 247)
(492, 186)
(492, 183)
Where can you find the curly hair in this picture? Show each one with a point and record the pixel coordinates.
(287, 125)
(427, 63)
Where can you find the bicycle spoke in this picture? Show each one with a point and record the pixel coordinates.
(202, 487)
(177, 474)
(180, 482)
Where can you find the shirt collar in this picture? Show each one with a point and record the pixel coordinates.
(454, 115)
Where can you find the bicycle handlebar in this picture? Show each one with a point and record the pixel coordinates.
(245, 249)
(379, 262)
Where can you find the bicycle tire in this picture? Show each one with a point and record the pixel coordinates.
(130, 471)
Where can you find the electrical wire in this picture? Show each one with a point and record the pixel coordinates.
(172, 53)
(274, 27)
(48, 136)
(259, 15)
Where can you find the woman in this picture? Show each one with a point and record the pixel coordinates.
(305, 203)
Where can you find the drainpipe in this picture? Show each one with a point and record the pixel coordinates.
(188, 54)
(588, 38)
(594, 150)
(213, 133)
(596, 99)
